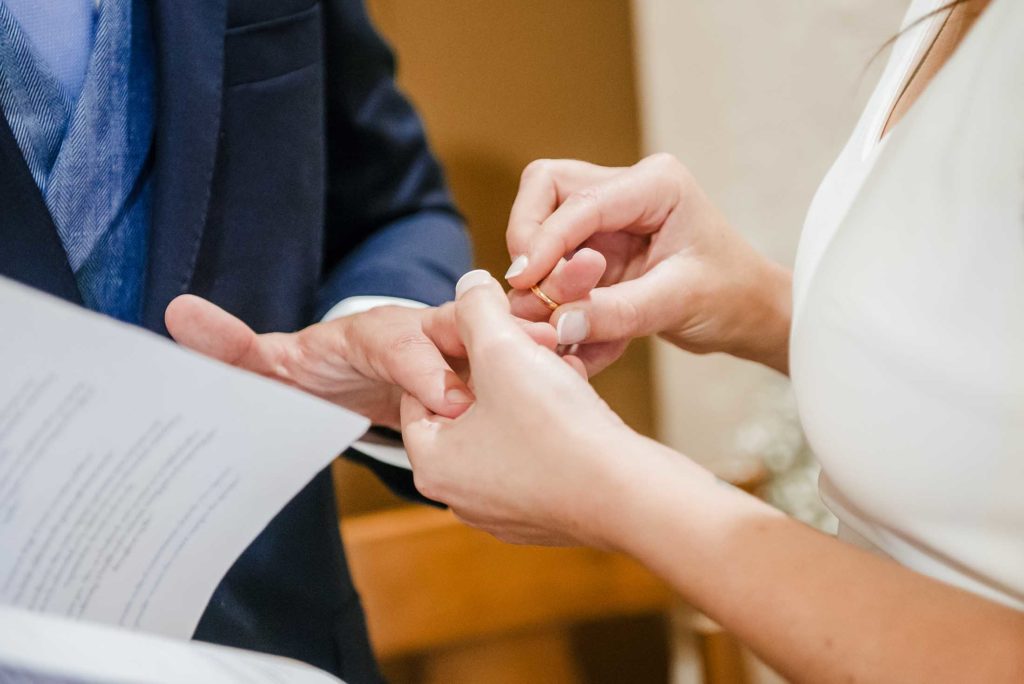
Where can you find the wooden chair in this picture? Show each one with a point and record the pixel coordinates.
(498, 613)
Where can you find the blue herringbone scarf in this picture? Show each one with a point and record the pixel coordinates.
(90, 157)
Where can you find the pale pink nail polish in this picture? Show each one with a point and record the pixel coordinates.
(471, 280)
(572, 327)
(519, 265)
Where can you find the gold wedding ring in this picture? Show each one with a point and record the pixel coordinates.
(548, 301)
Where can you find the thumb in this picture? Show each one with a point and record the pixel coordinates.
(422, 371)
(206, 328)
(482, 311)
(633, 308)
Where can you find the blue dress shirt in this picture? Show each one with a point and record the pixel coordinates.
(62, 33)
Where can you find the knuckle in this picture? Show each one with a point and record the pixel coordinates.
(538, 168)
(406, 343)
(589, 200)
(627, 315)
(663, 163)
(669, 165)
(590, 195)
(375, 319)
(663, 160)
(467, 517)
(427, 484)
(672, 176)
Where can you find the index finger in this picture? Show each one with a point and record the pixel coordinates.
(568, 281)
(638, 199)
(543, 187)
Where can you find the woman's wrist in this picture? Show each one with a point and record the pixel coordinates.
(747, 314)
(637, 472)
(604, 484)
(769, 315)
(671, 508)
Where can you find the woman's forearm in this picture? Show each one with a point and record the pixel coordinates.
(815, 608)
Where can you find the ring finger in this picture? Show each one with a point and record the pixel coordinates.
(570, 280)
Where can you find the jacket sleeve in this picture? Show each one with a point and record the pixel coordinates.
(391, 227)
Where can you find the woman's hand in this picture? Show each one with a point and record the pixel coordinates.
(539, 458)
(673, 266)
(536, 458)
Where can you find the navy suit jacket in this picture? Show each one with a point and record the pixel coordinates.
(289, 173)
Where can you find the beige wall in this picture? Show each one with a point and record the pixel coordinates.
(757, 98)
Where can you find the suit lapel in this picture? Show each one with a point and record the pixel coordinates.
(189, 38)
(30, 249)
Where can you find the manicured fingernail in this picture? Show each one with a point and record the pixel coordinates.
(572, 327)
(458, 396)
(519, 265)
(471, 280)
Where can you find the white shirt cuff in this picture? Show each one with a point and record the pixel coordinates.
(354, 305)
(385, 450)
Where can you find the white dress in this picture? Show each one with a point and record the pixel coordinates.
(907, 351)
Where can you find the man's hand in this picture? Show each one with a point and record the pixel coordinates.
(362, 362)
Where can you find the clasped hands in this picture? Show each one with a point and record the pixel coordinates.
(497, 425)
